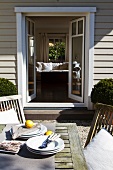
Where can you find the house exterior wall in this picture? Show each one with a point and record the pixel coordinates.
(103, 49)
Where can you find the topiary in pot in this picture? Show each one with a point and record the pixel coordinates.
(7, 87)
(103, 92)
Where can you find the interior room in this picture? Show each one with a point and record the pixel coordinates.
(52, 58)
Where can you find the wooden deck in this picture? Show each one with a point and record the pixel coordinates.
(71, 158)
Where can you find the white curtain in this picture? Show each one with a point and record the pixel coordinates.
(44, 47)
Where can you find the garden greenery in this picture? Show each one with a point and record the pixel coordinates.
(7, 87)
(103, 92)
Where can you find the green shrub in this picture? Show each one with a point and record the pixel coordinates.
(7, 87)
(103, 92)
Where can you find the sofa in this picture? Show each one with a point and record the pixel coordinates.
(51, 67)
(52, 72)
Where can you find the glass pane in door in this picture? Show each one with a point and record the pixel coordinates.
(31, 66)
(77, 65)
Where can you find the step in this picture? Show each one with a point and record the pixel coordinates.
(58, 114)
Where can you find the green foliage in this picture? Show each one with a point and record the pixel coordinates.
(57, 51)
(7, 88)
(103, 92)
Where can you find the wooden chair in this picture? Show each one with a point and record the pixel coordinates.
(13, 102)
(103, 118)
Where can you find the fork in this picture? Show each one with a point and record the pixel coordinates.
(49, 139)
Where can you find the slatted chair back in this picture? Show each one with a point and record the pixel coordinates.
(103, 118)
(13, 102)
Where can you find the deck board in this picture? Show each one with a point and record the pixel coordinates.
(71, 157)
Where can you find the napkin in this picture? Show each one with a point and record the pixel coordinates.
(17, 131)
(11, 146)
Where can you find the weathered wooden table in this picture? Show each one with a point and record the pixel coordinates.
(72, 157)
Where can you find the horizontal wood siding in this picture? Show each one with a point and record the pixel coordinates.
(103, 49)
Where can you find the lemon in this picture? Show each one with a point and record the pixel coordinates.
(29, 124)
(49, 132)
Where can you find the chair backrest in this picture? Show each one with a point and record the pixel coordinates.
(103, 118)
(13, 102)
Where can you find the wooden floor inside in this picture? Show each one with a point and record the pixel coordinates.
(52, 92)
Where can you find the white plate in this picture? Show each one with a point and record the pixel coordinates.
(34, 133)
(45, 153)
(35, 142)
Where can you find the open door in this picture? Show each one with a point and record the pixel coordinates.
(76, 60)
(31, 60)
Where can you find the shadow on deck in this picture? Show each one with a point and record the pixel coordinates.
(58, 114)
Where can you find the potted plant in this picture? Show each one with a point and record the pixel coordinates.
(7, 88)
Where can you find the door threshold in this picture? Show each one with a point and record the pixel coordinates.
(54, 105)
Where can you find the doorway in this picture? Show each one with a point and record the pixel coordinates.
(52, 41)
(22, 57)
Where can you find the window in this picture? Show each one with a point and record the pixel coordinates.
(56, 50)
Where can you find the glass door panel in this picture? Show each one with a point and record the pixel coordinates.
(76, 66)
(76, 60)
(31, 72)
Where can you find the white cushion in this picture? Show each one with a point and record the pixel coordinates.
(47, 66)
(99, 152)
(9, 117)
(39, 66)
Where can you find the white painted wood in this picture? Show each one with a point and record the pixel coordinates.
(8, 70)
(51, 13)
(7, 38)
(103, 70)
(103, 57)
(104, 45)
(8, 76)
(71, 95)
(104, 64)
(104, 32)
(7, 51)
(54, 9)
(14, 101)
(103, 51)
(7, 63)
(103, 38)
(8, 44)
(91, 57)
(102, 76)
(7, 57)
(56, 105)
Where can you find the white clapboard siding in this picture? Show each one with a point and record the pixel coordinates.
(7, 31)
(104, 45)
(103, 51)
(103, 57)
(5, 19)
(103, 64)
(7, 51)
(102, 76)
(104, 25)
(11, 25)
(9, 76)
(104, 70)
(8, 44)
(107, 12)
(103, 31)
(5, 38)
(103, 38)
(8, 70)
(6, 12)
(8, 57)
(7, 63)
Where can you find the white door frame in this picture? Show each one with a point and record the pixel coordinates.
(89, 13)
